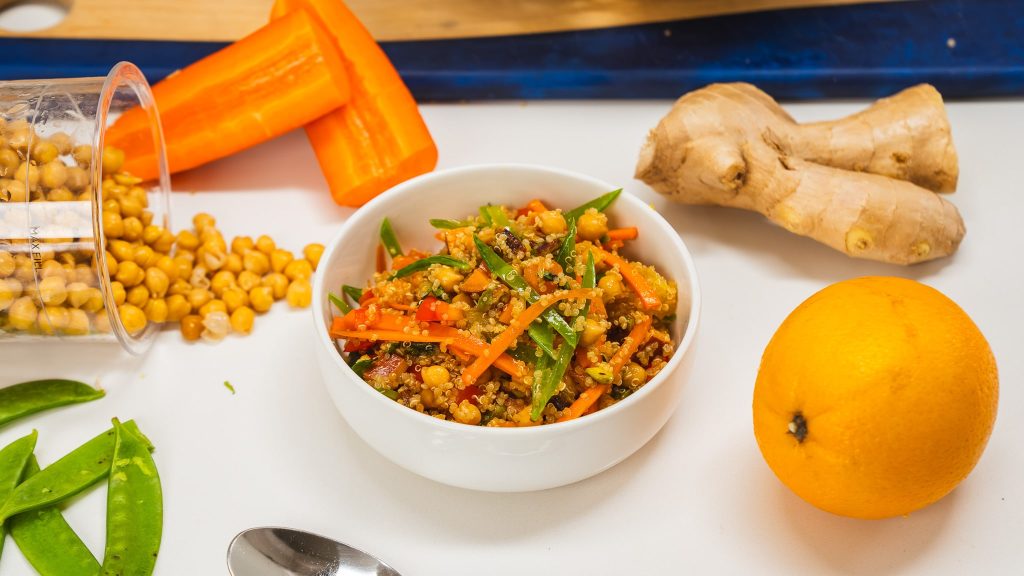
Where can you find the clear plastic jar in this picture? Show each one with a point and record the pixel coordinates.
(63, 202)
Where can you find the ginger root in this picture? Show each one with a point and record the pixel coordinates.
(865, 184)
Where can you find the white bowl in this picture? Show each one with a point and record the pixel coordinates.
(500, 459)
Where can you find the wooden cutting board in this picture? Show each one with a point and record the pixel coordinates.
(388, 20)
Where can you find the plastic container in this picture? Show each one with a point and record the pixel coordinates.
(59, 189)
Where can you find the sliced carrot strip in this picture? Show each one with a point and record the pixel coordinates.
(518, 325)
(388, 336)
(631, 233)
(586, 399)
(648, 298)
(379, 139)
(281, 77)
(637, 336)
(382, 262)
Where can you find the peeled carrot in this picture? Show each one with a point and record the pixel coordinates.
(648, 298)
(379, 139)
(584, 402)
(636, 337)
(280, 77)
(518, 325)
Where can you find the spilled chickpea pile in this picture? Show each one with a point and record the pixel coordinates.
(50, 278)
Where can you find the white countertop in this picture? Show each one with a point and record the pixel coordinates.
(697, 499)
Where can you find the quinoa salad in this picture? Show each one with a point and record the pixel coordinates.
(526, 315)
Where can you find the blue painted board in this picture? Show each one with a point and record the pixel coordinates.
(967, 48)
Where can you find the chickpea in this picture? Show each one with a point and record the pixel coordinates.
(82, 155)
(233, 264)
(132, 229)
(144, 256)
(247, 280)
(52, 268)
(53, 291)
(592, 331)
(95, 301)
(22, 313)
(177, 307)
(300, 294)
(53, 174)
(592, 225)
(198, 278)
(187, 240)
(180, 287)
(19, 135)
(151, 234)
(278, 283)
(265, 244)
(429, 399)
(78, 323)
(234, 298)
(62, 141)
(216, 326)
(101, 323)
(467, 413)
(221, 281)
(138, 296)
(213, 237)
(313, 252)
(191, 327)
(279, 259)
(198, 297)
(6, 264)
(165, 243)
(78, 294)
(10, 289)
(77, 178)
(156, 310)
(633, 375)
(132, 318)
(256, 262)
(202, 221)
(130, 207)
(60, 194)
(211, 306)
(129, 273)
(29, 174)
(435, 376)
(13, 191)
(212, 256)
(118, 292)
(611, 285)
(166, 265)
(261, 298)
(157, 282)
(121, 250)
(9, 161)
(112, 160)
(52, 319)
(113, 225)
(183, 265)
(242, 319)
(239, 244)
(552, 222)
(447, 277)
(44, 151)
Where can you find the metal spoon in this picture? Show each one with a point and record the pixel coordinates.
(285, 552)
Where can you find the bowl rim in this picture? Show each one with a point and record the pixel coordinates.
(355, 221)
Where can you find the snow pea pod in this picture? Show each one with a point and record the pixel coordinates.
(134, 508)
(73, 473)
(13, 458)
(601, 203)
(389, 239)
(424, 263)
(47, 541)
(31, 397)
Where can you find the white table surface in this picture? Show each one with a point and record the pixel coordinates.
(697, 499)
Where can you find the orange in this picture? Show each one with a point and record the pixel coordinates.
(875, 397)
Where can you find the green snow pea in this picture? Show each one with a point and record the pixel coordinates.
(73, 473)
(601, 203)
(47, 541)
(31, 397)
(389, 239)
(13, 459)
(134, 508)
